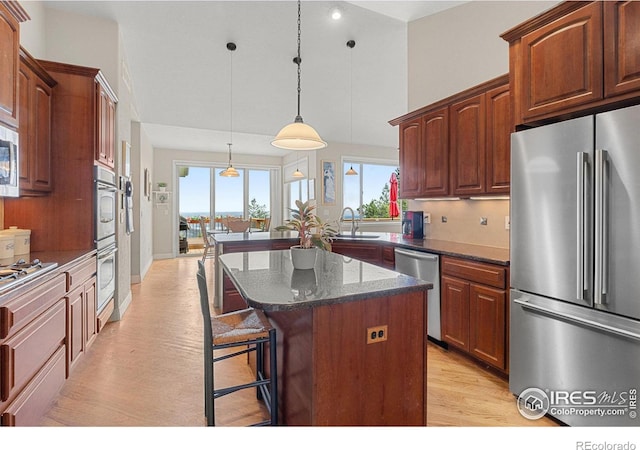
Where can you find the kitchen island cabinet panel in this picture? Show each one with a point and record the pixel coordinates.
(371, 253)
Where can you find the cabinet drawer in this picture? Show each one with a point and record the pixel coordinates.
(18, 312)
(80, 273)
(483, 273)
(28, 408)
(25, 353)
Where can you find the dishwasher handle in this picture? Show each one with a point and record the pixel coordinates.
(416, 255)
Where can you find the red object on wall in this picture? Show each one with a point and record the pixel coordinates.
(393, 197)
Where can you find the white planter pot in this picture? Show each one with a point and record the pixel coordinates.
(303, 258)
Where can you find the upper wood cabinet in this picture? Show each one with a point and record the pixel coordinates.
(459, 146)
(11, 14)
(576, 57)
(105, 145)
(35, 109)
(424, 155)
(467, 134)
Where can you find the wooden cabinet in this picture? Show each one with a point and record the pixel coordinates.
(32, 350)
(576, 57)
(35, 108)
(371, 253)
(411, 159)
(11, 14)
(474, 309)
(498, 140)
(467, 134)
(74, 134)
(621, 48)
(81, 309)
(105, 144)
(459, 146)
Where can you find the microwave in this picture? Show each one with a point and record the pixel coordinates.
(9, 179)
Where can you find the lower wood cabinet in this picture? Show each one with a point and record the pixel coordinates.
(82, 326)
(474, 303)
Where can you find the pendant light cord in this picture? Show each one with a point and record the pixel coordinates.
(298, 60)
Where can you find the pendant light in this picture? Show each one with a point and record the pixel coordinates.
(297, 173)
(351, 44)
(230, 171)
(298, 135)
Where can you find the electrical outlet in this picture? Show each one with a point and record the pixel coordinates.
(376, 334)
(507, 222)
(444, 219)
(483, 220)
(427, 218)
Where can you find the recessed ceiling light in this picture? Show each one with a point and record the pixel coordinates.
(336, 14)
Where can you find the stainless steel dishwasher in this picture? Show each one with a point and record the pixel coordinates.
(424, 266)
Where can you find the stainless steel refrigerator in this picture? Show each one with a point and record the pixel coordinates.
(575, 269)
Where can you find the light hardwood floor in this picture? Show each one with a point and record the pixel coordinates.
(146, 370)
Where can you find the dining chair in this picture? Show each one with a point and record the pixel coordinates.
(249, 330)
(209, 245)
(238, 225)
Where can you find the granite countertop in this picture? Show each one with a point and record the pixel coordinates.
(267, 280)
(481, 253)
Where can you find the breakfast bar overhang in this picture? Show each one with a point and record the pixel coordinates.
(351, 337)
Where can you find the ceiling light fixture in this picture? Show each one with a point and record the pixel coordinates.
(351, 44)
(336, 14)
(230, 171)
(298, 135)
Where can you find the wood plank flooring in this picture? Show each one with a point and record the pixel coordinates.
(146, 370)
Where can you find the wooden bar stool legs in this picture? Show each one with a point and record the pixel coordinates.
(244, 331)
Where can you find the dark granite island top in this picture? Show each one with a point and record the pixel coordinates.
(351, 337)
(266, 280)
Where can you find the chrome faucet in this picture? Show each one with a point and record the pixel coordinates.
(354, 227)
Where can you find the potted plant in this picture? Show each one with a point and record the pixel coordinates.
(162, 186)
(313, 234)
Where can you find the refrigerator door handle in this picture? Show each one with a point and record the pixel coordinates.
(577, 320)
(601, 229)
(582, 159)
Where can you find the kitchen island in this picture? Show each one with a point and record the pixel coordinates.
(351, 337)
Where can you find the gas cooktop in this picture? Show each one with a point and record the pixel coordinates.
(21, 271)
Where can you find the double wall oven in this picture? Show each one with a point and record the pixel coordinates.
(105, 223)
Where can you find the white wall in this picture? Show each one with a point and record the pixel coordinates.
(165, 219)
(448, 53)
(142, 238)
(461, 47)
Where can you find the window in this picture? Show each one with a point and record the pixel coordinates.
(368, 192)
(297, 190)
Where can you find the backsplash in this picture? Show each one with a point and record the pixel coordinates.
(463, 219)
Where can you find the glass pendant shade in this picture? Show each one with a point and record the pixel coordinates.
(229, 172)
(298, 174)
(298, 136)
(351, 171)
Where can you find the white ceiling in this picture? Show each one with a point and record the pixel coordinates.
(180, 69)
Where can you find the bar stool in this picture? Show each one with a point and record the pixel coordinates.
(248, 328)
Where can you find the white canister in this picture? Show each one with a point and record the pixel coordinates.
(21, 240)
(6, 246)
